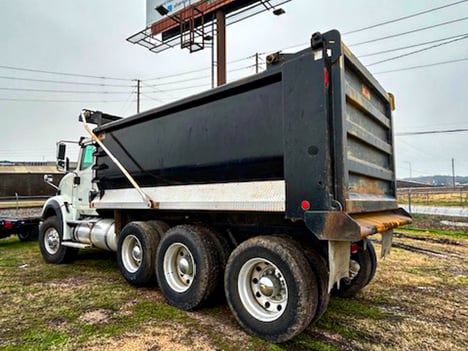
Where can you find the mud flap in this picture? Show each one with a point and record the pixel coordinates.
(387, 238)
(338, 261)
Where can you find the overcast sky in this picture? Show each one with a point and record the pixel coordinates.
(87, 37)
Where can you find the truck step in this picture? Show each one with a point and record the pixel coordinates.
(75, 245)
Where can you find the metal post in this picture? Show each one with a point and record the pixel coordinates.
(212, 56)
(256, 62)
(138, 96)
(453, 172)
(221, 46)
(409, 201)
(17, 203)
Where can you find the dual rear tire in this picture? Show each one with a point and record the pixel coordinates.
(274, 287)
(271, 288)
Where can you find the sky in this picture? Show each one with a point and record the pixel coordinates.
(88, 37)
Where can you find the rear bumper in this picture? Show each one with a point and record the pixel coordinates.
(340, 226)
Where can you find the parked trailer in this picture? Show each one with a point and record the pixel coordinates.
(26, 228)
(268, 186)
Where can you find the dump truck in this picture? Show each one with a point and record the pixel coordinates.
(266, 188)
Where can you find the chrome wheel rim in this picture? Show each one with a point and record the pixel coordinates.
(262, 289)
(132, 253)
(52, 241)
(179, 267)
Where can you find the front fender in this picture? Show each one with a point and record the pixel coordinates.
(58, 206)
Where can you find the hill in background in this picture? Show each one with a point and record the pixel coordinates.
(439, 180)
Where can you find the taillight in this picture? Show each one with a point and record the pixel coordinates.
(305, 205)
(8, 225)
(354, 248)
(326, 78)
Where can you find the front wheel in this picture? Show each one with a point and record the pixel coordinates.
(50, 243)
(271, 288)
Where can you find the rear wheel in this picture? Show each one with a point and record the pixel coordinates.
(29, 235)
(187, 266)
(50, 242)
(271, 288)
(319, 266)
(136, 250)
(366, 260)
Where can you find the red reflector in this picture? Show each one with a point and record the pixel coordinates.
(8, 225)
(326, 78)
(354, 248)
(305, 205)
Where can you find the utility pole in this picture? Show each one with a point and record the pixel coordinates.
(453, 172)
(138, 96)
(221, 46)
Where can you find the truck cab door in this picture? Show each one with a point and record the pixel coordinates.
(82, 183)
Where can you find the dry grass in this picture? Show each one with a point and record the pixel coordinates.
(429, 198)
(417, 301)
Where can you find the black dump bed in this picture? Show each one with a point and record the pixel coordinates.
(316, 119)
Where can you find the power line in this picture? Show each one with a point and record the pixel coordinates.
(190, 87)
(411, 46)
(433, 132)
(64, 91)
(61, 73)
(178, 89)
(409, 32)
(196, 70)
(375, 25)
(417, 51)
(65, 82)
(53, 100)
(403, 18)
(178, 81)
(421, 66)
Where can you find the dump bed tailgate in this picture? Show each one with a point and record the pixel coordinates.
(369, 160)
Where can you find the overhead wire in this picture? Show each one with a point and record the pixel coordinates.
(58, 100)
(403, 18)
(192, 86)
(411, 46)
(433, 132)
(408, 32)
(65, 82)
(61, 73)
(196, 70)
(378, 24)
(416, 51)
(64, 91)
(421, 66)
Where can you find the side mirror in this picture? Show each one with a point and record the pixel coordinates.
(62, 164)
(49, 180)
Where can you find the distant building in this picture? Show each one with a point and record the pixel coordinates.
(401, 184)
(27, 178)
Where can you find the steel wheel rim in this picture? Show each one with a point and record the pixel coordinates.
(262, 289)
(179, 267)
(52, 241)
(132, 253)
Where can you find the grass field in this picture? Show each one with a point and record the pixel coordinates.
(431, 198)
(418, 301)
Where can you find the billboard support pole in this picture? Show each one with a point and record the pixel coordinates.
(221, 46)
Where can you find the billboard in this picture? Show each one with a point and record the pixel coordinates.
(183, 10)
(152, 16)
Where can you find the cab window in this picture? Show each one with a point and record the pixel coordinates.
(87, 157)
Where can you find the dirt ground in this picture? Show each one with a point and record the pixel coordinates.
(417, 301)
